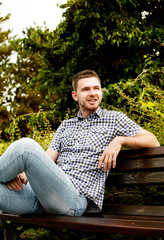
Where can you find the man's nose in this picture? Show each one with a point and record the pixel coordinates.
(92, 92)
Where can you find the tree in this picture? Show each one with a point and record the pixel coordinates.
(110, 37)
(21, 96)
(5, 52)
(119, 39)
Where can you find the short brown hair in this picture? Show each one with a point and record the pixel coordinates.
(83, 74)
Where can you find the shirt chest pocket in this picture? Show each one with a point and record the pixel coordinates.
(69, 137)
(98, 137)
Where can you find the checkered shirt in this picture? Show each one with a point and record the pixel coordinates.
(81, 142)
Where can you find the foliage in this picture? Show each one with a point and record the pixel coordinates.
(33, 125)
(19, 96)
(39, 234)
(3, 146)
(141, 98)
(4, 117)
(110, 37)
(66, 234)
(5, 52)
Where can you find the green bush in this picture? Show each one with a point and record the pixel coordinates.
(3, 146)
(142, 99)
(29, 125)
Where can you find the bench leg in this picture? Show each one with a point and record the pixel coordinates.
(12, 231)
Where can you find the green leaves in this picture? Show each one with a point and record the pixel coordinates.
(141, 98)
(115, 38)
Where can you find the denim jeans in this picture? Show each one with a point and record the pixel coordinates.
(49, 188)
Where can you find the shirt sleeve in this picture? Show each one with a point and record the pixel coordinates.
(125, 126)
(56, 141)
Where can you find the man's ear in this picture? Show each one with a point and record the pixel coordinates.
(74, 95)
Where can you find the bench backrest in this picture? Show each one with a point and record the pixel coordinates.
(135, 187)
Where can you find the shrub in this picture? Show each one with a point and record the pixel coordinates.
(140, 98)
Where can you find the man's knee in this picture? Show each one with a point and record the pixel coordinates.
(23, 143)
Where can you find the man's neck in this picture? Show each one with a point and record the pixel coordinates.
(85, 114)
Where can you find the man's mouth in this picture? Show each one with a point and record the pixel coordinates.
(92, 100)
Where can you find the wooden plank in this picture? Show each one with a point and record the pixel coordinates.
(146, 178)
(132, 217)
(139, 164)
(146, 152)
(134, 210)
(106, 225)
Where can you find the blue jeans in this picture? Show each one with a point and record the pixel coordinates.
(49, 188)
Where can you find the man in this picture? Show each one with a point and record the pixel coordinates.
(84, 150)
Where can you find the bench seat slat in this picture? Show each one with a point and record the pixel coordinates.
(145, 178)
(106, 225)
(134, 210)
(132, 217)
(140, 164)
(144, 153)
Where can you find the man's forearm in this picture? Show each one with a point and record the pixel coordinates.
(143, 139)
(52, 154)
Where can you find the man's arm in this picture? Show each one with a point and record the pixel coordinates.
(143, 139)
(52, 154)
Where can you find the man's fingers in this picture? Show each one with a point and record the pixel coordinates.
(101, 161)
(109, 160)
(110, 154)
(23, 178)
(114, 161)
(15, 183)
(8, 185)
(107, 163)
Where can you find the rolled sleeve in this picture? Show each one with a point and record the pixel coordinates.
(56, 141)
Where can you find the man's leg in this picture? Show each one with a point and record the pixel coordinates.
(52, 186)
(19, 202)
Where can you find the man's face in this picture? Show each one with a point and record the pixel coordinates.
(88, 95)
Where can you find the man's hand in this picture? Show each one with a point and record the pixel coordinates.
(110, 154)
(17, 183)
(143, 139)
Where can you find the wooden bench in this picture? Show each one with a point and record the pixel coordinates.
(134, 204)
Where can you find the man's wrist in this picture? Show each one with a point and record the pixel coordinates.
(120, 140)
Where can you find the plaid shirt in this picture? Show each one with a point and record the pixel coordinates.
(80, 143)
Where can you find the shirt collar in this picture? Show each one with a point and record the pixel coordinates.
(98, 114)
